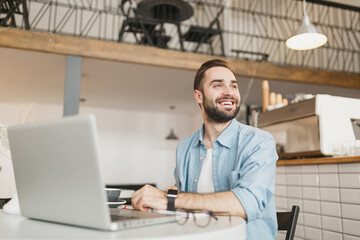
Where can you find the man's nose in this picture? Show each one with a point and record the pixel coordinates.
(228, 91)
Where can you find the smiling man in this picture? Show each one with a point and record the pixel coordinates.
(225, 166)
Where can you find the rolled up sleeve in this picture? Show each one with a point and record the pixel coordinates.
(253, 182)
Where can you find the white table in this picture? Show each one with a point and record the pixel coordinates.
(18, 227)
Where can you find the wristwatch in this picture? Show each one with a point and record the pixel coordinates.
(171, 194)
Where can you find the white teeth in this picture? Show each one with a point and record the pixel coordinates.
(226, 103)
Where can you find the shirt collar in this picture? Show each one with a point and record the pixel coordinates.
(200, 136)
(224, 138)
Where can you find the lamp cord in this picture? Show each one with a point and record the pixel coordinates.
(304, 6)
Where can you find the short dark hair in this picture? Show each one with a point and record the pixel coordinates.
(204, 67)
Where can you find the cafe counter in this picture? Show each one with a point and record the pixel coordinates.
(327, 190)
(320, 160)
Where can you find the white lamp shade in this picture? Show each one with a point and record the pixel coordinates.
(307, 37)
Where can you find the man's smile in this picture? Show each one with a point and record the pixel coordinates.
(226, 102)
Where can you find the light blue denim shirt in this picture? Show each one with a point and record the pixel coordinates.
(244, 162)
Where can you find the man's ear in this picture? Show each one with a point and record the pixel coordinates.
(198, 96)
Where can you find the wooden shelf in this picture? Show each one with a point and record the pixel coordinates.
(322, 160)
(122, 52)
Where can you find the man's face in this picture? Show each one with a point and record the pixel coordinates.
(220, 96)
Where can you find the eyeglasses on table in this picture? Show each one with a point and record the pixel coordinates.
(201, 218)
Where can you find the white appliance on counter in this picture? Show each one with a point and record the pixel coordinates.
(320, 126)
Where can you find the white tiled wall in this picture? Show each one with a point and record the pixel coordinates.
(328, 196)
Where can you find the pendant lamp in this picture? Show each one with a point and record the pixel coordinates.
(307, 36)
(172, 136)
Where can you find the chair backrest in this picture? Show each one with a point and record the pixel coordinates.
(287, 221)
(216, 19)
(126, 6)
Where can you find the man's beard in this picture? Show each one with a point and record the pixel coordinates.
(216, 115)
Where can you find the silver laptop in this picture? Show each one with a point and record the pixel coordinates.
(58, 176)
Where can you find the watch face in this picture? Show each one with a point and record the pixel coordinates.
(172, 192)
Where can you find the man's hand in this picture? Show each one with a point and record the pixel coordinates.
(149, 197)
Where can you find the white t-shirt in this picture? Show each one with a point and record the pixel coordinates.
(206, 184)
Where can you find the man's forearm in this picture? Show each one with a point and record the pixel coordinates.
(215, 202)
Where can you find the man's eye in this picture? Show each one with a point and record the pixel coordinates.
(234, 86)
(217, 85)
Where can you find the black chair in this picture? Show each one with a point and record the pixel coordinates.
(204, 35)
(136, 24)
(287, 221)
(10, 8)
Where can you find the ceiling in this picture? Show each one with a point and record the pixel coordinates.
(39, 77)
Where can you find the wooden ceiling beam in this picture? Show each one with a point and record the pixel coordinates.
(107, 50)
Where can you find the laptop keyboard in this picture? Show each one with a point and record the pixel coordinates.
(120, 217)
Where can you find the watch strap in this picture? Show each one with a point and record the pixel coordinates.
(171, 203)
(171, 194)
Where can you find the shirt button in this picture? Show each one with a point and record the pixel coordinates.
(195, 181)
(201, 158)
